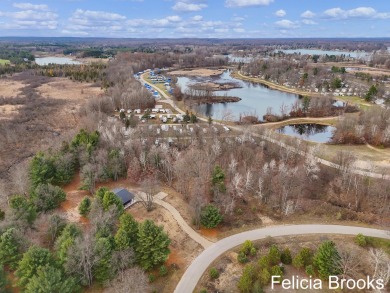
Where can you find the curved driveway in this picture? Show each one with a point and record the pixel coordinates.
(195, 271)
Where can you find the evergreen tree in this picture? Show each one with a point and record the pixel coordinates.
(327, 259)
(10, 248)
(65, 240)
(103, 269)
(127, 234)
(274, 255)
(152, 248)
(23, 210)
(218, 179)
(85, 206)
(303, 258)
(246, 281)
(34, 259)
(51, 279)
(210, 216)
(285, 257)
(42, 170)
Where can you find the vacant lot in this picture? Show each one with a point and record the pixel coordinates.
(198, 72)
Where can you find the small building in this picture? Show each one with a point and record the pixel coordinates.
(126, 196)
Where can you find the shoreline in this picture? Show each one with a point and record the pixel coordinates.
(271, 85)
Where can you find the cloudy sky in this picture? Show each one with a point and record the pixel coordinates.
(196, 18)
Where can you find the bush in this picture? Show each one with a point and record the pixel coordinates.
(265, 277)
(361, 240)
(151, 278)
(214, 274)
(310, 270)
(203, 291)
(303, 258)
(242, 258)
(277, 271)
(247, 248)
(274, 255)
(286, 257)
(163, 271)
(210, 217)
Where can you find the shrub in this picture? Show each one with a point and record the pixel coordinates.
(247, 247)
(303, 258)
(264, 277)
(163, 271)
(361, 240)
(286, 257)
(276, 271)
(210, 217)
(264, 262)
(310, 270)
(203, 291)
(274, 255)
(214, 274)
(151, 278)
(242, 258)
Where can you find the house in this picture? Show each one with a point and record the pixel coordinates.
(126, 196)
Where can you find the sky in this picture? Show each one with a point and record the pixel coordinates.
(196, 18)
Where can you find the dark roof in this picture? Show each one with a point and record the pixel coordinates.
(125, 195)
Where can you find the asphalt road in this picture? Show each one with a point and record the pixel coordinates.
(196, 269)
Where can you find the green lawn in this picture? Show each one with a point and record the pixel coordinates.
(3, 62)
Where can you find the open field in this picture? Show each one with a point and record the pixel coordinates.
(203, 72)
(3, 62)
(37, 111)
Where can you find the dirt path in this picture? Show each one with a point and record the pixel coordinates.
(158, 199)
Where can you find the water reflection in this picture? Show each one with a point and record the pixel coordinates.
(309, 131)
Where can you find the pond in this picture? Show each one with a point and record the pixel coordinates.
(55, 60)
(255, 98)
(309, 131)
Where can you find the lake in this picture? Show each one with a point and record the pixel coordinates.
(255, 98)
(55, 60)
(309, 131)
(326, 52)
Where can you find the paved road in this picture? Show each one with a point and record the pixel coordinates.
(195, 271)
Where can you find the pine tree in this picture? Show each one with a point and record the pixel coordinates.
(51, 279)
(85, 206)
(210, 216)
(103, 269)
(65, 240)
(285, 257)
(34, 259)
(326, 260)
(127, 234)
(10, 248)
(152, 248)
(274, 255)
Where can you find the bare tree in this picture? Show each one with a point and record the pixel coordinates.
(133, 280)
(150, 187)
(380, 262)
(349, 263)
(81, 259)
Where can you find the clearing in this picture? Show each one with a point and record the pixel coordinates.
(203, 72)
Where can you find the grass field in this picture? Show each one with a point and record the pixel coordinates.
(3, 62)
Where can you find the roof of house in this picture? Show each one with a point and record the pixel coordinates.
(125, 195)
